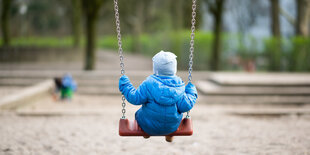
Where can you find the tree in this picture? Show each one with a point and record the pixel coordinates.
(76, 22)
(91, 11)
(138, 24)
(137, 12)
(275, 53)
(275, 19)
(216, 9)
(302, 19)
(178, 14)
(6, 4)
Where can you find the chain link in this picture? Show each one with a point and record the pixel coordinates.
(119, 38)
(191, 49)
(123, 107)
(120, 51)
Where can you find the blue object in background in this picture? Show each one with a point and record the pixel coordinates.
(68, 87)
(68, 82)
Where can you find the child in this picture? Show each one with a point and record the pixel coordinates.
(68, 87)
(163, 96)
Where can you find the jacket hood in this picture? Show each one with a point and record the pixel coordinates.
(164, 64)
(167, 90)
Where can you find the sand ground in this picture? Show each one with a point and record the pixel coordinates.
(89, 125)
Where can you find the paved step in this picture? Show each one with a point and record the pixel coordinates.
(75, 73)
(244, 112)
(97, 74)
(105, 90)
(249, 100)
(60, 112)
(261, 79)
(209, 88)
(105, 81)
(20, 81)
(91, 83)
(270, 112)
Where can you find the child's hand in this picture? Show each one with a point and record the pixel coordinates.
(189, 85)
(122, 82)
(191, 89)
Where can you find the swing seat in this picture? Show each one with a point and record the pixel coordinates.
(131, 128)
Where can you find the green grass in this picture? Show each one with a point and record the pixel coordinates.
(291, 54)
(41, 42)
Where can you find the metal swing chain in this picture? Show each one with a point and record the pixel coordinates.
(191, 49)
(120, 51)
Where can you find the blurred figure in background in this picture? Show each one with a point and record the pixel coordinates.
(66, 86)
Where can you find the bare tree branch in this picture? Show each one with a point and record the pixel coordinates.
(287, 16)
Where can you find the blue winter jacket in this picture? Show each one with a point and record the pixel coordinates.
(163, 100)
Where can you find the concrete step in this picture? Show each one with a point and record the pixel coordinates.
(75, 73)
(96, 74)
(260, 79)
(249, 100)
(20, 81)
(81, 82)
(105, 90)
(270, 111)
(106, 82)
(210, 88)
(273, 112)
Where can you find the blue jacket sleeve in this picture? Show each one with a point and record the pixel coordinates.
(189, 98)
(134, 96)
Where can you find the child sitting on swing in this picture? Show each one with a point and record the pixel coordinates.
(163, 96)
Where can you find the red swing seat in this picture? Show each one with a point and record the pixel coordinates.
(131, 128)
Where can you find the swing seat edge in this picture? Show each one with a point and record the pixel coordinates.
(131, 128)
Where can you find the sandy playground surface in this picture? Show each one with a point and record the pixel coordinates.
(95, 131)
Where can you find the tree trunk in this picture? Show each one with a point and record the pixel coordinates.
(138, 26)
(275, 19)
(302, 19)
(6, 4)
(90, 55)
(179, 15)
(275, 53)
(217, 30)
(76, 22)
(91, 11)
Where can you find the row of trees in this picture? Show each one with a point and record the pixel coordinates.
(301, 21)
(301, 24)
(149, 16)
(78, 8)
(137, 17)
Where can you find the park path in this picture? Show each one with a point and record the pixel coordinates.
(106, 60)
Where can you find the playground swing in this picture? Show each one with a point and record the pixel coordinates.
(131, 128)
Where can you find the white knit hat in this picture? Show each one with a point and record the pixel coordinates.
(165, 64)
